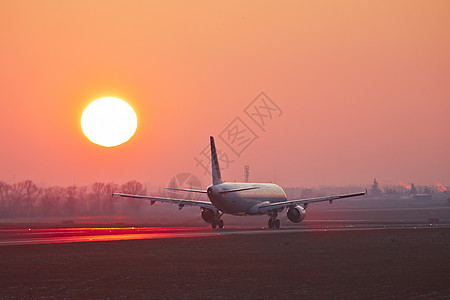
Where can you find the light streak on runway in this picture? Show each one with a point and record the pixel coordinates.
(71, 235)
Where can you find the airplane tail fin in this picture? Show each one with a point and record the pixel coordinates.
(217, 178)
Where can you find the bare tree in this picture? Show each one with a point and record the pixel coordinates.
(133, 187)
(83, 200)
(95, 201)
(103, 197)
(108, 200)
(136, 188)
(31, 191)
(23, 194)
(71, 203)
(5, 202)
(51, 199)
(375, 190)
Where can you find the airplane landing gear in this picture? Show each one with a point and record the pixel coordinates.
(218, 223)
(273, 221)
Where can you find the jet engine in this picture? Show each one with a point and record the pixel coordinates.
(296, 214)
(208, 215)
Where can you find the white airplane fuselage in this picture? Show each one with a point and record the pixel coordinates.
(247, 199)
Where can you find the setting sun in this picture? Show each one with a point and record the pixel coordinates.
(109, 122)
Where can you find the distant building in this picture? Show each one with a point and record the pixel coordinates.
(422, 197)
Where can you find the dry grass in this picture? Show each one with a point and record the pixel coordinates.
(378, 264)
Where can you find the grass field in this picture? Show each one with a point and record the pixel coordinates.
(378, 264)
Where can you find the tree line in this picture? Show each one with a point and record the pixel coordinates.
(26, 199)
(406, 190)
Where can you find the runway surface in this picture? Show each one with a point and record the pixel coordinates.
(28, 236)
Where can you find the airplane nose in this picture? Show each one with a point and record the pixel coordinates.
(210, 193)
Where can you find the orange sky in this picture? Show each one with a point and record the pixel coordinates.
(363, 87)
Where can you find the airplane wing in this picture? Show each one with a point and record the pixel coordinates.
(186, 190)
(180, 202)
(277, 205)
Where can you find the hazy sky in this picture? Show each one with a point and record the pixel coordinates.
(359, 89)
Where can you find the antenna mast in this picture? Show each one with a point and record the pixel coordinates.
(246, 173)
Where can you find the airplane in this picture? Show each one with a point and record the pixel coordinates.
(242, 199)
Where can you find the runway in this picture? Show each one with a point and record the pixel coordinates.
(351, 261)
(29, 236)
